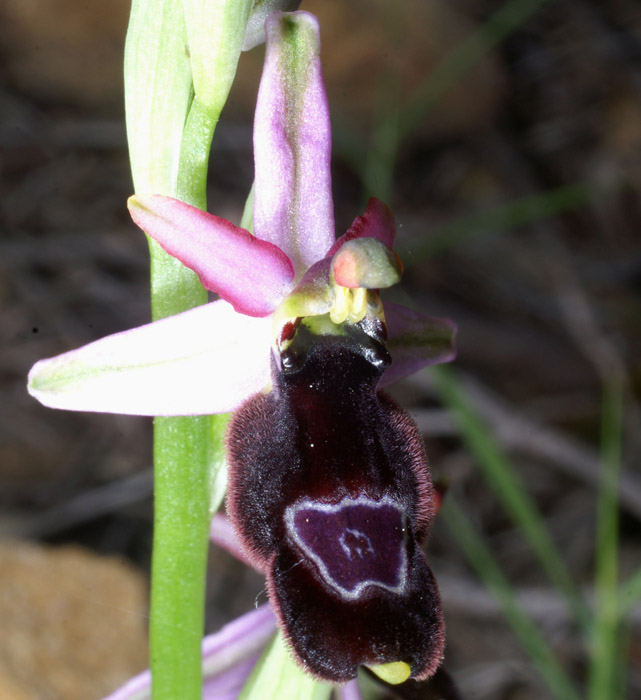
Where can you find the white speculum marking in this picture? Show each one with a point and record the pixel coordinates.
(355, 543)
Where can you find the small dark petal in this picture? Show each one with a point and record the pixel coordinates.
(376, 221)
(288, 331)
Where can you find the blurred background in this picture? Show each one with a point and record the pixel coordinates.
(506, 137)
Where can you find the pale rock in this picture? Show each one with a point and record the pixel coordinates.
(73, 623)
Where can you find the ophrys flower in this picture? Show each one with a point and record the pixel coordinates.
(331, 492)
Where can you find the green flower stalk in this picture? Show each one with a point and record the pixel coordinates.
(180, 62)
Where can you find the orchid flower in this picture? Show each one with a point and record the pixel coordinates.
(210, 359)
(330, 492)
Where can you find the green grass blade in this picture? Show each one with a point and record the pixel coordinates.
(630, 593)
(395, 124)
(488, 570)
(606, 657)
(501, 476)
(464, 57)
(518, 212)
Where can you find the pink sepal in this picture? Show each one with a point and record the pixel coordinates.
(251, 274)
(206, 360)
(293, 205)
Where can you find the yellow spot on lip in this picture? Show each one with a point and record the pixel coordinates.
(394, 672)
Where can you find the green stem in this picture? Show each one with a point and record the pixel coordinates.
(194, 154)
(181, 528)
(182, 484)
(182, 477)
(488, 569)
(168, 65)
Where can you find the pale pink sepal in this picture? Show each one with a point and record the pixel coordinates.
(206, 360)
(238, 640)
(293, 205)
(415, 341)
(228, 684)
(251, 274)
(377, 221)
(228, 657)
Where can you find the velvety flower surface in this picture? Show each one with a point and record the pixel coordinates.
(330, 490)
(331, 495)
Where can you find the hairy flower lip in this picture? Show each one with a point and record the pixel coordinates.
(325, 451)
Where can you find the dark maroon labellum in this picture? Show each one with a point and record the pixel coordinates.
(331, 496)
